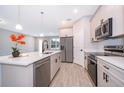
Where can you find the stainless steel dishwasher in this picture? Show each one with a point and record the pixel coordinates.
(42, 73)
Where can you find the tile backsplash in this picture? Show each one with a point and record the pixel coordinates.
(113, 41)
(116, 41)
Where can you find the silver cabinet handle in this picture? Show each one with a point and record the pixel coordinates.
(106, 67)
(56, 60)
(107, 78)
(104, 76)
(81, 50)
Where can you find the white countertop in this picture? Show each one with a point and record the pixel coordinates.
(25, 59)
(114, 60)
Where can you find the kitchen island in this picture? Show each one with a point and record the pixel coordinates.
(22, 71)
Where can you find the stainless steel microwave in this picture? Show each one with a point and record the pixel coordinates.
(104, 30)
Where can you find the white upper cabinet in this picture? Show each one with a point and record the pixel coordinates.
(109, 11)
(66, 32)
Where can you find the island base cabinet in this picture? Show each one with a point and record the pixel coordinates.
(55, 64)
(17, 76)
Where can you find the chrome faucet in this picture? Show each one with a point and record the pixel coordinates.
(44, 46)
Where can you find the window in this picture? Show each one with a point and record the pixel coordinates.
(55, 43)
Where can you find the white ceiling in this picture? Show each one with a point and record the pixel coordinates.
(48, 24)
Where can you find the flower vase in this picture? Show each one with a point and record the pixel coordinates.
(15, 54)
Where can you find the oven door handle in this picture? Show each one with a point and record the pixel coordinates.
(92, 61)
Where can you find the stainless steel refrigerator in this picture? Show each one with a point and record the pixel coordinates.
(67, 49)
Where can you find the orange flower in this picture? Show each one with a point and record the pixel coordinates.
(21, 37)
(18, 39)
(13, 37)
(22, 42)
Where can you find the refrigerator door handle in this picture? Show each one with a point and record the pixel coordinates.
(62, 47)
(81, 50)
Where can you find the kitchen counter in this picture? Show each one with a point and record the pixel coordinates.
(91, 50)
(21, 72)
(114, 60)
(25, 59)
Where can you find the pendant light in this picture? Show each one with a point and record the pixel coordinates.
(18, 25)
(41, 34)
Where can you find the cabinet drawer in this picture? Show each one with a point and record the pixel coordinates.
(111, 69)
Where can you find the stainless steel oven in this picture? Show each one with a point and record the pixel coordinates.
(92, 69)
(111, 50)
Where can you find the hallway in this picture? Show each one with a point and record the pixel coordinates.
(71, 75)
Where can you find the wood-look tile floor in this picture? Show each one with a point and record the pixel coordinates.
(71, 75)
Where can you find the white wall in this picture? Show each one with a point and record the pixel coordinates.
(6, 44)
(66, 32)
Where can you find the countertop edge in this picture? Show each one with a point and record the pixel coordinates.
(25, 65)
(99, 57)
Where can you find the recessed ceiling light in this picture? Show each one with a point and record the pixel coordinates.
(41, 35)
(19, 27)
(64, 22)
(75, 11)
